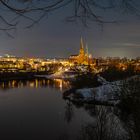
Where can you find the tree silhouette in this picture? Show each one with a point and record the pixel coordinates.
(105, 126)
(129, 105)
(12, 11)
(69, 113)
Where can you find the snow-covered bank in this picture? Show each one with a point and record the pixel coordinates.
(108, 92)
(60, 75)
(103, 94)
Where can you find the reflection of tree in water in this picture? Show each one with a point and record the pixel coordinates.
(132, 125)
(130, 107)
(105, 125)
(91, 109)
(69, 113)
(113, 123)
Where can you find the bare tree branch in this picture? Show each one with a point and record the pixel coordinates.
(81, 10)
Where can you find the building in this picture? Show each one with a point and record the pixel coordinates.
(82, 57)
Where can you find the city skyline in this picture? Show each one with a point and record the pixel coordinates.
(54, 37)
(70, 69)
(66, 52)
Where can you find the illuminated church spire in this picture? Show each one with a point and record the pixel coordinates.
(81, 44)
(87, 49)
(81, 52)
(83, 56)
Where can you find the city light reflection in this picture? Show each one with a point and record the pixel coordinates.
(35, 83)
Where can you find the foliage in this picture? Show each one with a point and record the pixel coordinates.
(85, 80)
(105, 126)
(114, 73)
(13, 11)
(129, 105)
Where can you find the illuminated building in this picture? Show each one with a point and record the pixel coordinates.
(82, 57)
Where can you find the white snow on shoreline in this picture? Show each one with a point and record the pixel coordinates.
(102, 93)
(107, 92)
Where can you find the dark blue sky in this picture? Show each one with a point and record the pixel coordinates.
(54, 37)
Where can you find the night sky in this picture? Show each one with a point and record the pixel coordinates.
(54, 37)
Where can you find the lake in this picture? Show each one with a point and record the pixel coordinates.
(35, 109)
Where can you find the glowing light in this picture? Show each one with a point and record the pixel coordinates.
(66, 69)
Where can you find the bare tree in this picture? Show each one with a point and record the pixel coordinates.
(12, 11)
(105, 126)
(129, 105)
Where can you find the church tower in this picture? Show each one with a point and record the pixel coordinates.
(81, 52)
(81, 57)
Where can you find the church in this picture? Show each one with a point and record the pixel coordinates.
(82, 57)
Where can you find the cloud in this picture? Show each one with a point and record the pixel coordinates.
(136, 45)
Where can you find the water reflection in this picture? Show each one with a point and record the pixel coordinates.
(131, 120)
(69, 112)
(73, 121)
(105, 125)
(35, 83)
